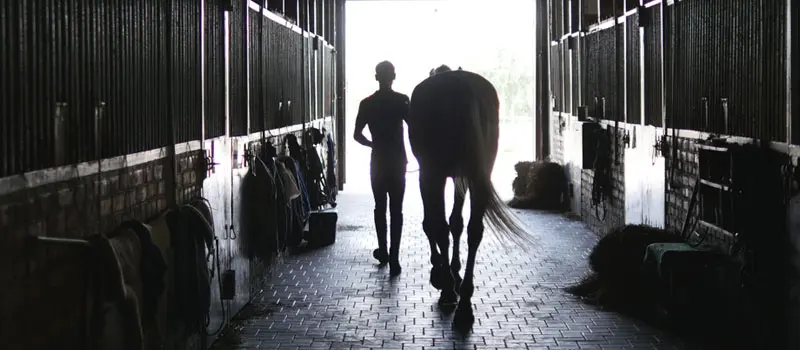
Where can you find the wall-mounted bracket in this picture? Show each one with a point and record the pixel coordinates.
(704, 102)
(626, 138)
(208, 161)
(99, 110)
(59, 141)
(724, 102)
(661, 145)
(248, 155)
(583, 113)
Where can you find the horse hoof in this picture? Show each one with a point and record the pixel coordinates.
(463, 319)
(435, 280)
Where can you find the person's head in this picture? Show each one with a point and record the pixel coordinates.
(384, 73)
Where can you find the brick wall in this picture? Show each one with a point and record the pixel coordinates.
(682, 167)
(605, 216)
(42, 294)
(556, 139)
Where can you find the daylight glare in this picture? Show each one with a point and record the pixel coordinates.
(494, 41)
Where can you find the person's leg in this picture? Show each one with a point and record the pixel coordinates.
(396, 194)
(379, 214)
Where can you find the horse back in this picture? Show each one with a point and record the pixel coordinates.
(440, 125)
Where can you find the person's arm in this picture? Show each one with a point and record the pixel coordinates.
(406, 103)
(361, 122)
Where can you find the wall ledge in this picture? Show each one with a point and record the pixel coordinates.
(782, 147)
(42, 177)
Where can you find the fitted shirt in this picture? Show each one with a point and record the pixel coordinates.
(383, 113)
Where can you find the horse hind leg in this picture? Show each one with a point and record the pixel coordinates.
(456, 229)
(435, 226)
(464, 317)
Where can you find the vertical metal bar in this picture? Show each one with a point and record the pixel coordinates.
(303, 81)
(245, 28)
(170, 179)
(26, 79)
(662, 65)
(201, 36)
(619, 61)
(9, 86)
(790, 45)
(542, 67)
(641, 69)
(339, 92)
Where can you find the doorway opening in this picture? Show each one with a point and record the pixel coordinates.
(495, 41)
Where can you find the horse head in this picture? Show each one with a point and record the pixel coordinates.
(441, 69)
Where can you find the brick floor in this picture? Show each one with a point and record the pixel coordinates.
(337, 298)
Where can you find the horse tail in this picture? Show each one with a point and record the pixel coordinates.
(483, 138)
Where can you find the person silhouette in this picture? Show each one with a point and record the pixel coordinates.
(384, 113)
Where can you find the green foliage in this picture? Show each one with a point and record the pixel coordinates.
(511, 72)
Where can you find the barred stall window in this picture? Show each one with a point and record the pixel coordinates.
(633, 85)
(608, 73)
(729, 59)
(556, 19)
(88, 69)
(556, 78)
(295, 77)
(185, 83)
(319, 27)
(590, 13)
(275, 5)
(653, 61)
(591, 75)
(256, 52)
(566, 77)
(237, 93)
(575, 19)
(311, 73)
(330, 87)
(670, 43)
(577, 79)
(273, 79)
(214, 66)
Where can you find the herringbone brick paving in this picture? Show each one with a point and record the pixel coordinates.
(337, 298)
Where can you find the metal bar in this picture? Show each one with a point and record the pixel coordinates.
(620, 76)
(790, 45)
(245, 52)
(62, 241)
(339, 92)
(202, 38)
(542, 69)
(171, 176)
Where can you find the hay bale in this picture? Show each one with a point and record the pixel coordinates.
(539, 185)
(619, 280)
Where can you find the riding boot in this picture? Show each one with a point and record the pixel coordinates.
(394, 252)
(380, 227)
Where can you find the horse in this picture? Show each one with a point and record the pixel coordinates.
(453, 127)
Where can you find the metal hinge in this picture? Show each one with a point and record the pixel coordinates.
(208, 162)
(661, 146)
(626, 138)
(248, 155)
